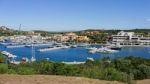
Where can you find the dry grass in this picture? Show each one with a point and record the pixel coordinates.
(49, 79)
(147, 81)
(46, 79)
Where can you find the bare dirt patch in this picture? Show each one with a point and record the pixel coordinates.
(50, 79)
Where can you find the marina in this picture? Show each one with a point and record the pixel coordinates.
(72, 48)
(77, 54)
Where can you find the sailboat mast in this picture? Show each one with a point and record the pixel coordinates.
(33, 52)
(20, 29)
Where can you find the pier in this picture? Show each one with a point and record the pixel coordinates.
(10, 57)
(37, 45)
(15, 46)
(73, 62)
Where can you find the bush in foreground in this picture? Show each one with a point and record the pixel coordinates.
(3, 68)
(121, 69)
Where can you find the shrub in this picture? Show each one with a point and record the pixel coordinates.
(11, 71)
(144, 71)
(71, 70)
(93, 72)
(45, 68)
(26, 71)
(2, 58)
(59, 69)
(3, 68)
(123, 65)
(113, 74)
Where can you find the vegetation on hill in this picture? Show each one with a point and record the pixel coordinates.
(102, 36)
(5, 31)
(120, 69)
(99, 38)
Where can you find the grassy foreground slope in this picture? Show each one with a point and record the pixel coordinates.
(126, 69)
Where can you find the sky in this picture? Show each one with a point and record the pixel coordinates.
(66, 15)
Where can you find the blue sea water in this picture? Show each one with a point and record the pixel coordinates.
(75, 54)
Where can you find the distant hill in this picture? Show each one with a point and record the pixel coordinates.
(5, 31)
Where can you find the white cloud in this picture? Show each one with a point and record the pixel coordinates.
(148, 20)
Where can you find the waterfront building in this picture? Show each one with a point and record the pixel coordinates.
(82, 39)
(60, 38)
(71, 36)
(90, 33)
(129, 38)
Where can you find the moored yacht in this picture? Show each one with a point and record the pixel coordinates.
(114, 47)
(106, 50)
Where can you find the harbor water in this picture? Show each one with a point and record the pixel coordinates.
(78, 54)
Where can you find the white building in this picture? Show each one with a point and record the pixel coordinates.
(129, 38)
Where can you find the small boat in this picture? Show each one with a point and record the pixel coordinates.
(94, 50)
(64, 47)
(83, 44)
(73, 46)
(89, 58)
(91, 48)
(24, 59)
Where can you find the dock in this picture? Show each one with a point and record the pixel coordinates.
(15, 46)
(75, 62)
(10, 57)
(38, 45)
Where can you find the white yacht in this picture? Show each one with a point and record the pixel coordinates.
(91, 48)
(53, 48)
(106, 50)
(73, 46)
(115, 47)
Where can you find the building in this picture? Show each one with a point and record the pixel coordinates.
(129, 38)
(82, 39)
(71, 36)
(90, 33)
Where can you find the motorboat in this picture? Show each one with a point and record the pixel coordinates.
(53, 48)
(114, 47)
(73, 46)
(91, 48)
(94, 50)
(83, 44)
(106, 50)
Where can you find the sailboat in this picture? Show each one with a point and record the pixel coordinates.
(33, 53)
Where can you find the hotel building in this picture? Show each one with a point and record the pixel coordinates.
(130, 39)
